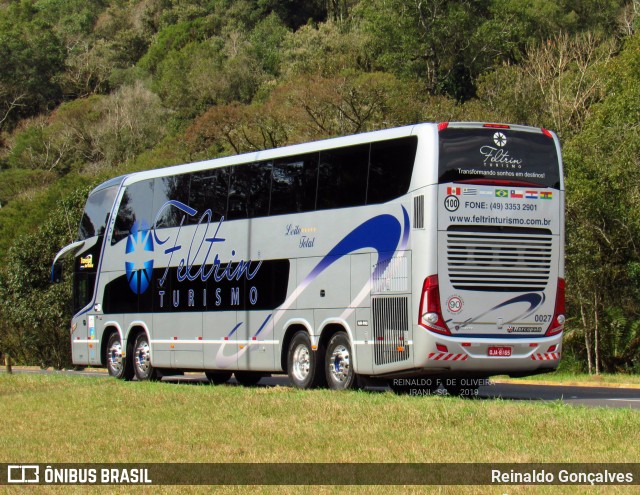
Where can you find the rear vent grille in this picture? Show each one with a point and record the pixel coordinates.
(418, 212)
(499, 260)
(390, 329)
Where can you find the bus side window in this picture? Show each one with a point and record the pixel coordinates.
(176, 188)
(135, 206)
(343, 177)
(390, 169)
(293, 184)
(249, 190)
(209, 190)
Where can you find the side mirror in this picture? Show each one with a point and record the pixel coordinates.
(56, 273)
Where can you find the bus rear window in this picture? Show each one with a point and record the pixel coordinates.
(489, 154)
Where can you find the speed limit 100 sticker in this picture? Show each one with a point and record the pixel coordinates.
(454, 304)
(451, 203)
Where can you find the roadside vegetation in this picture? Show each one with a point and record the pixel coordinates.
(91, 90)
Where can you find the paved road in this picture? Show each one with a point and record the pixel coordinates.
(578, 396)
(573, 395)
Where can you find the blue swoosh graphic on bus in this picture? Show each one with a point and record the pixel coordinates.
(534, 299)
(383, 233)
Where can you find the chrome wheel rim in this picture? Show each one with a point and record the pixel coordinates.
(115, 357)
(340, 364)
(143, 357)
(301, 362)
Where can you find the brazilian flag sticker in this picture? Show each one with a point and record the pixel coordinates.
(502, 193)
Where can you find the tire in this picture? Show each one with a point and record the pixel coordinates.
(119, 366)
(218, 377)
(248, 378)
(141, 358)
(339, 363)
(305, 366)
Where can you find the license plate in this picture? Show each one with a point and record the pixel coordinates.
(500, 351)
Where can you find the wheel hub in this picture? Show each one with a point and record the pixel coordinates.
(115, 356)
(143, 357)
(301, 362)
(340, 364)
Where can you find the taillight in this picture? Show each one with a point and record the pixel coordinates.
(430, 313)
(557, 323)
(442, 126)
(546, 133)
(496, 126)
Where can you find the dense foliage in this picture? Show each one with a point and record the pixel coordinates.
(90, 90)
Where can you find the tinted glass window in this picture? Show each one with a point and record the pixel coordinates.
(85, 267)
(390, 169)
(135, 206)
(96, 212)
(175, 188)
(498, 154)
(209, 191)
(294, 182)
(83, 288)
(249, 190)
(342, 180)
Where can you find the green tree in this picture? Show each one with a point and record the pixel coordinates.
(603, 220)
(34, 314)
(32, 57)
(325, 50)
(555, 86)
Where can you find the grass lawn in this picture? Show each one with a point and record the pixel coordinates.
(57, 418)
(571, 378)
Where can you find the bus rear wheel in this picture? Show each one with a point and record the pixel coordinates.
(304, 365)
(142, 366)
(339, 363)
(118, 365)
(218, 377)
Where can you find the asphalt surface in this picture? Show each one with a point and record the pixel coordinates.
(616, 397)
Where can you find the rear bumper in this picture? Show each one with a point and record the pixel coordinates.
(465, 355)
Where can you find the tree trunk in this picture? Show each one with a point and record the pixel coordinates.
(587, 340)
(596, 333)
(7, 363)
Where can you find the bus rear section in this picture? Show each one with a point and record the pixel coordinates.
(496, 302)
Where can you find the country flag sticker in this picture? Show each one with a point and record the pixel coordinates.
(455, 191)
(531, 194)
(517, 194)
(502, 193)
(546, 195)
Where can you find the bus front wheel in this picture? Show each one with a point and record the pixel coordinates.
(118, 364)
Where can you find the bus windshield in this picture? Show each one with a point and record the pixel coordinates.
(96, 213)
(498, 154)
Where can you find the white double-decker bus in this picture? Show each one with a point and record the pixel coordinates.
(433, 250)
